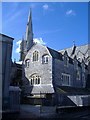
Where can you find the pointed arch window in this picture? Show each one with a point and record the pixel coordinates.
(83, 67)
(75, 64)
(66, 59)
(27, 63)
(35, 56)
(78, 75)
(35, 79)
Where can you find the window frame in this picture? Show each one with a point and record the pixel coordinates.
(35, 80)
(35, 56)
(45, 59)
(67, 78)
(27, 63)
(78, 75)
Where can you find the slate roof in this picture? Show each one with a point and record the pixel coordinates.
(80, 51)
(67, 90)
(55, 54)
(40, 89)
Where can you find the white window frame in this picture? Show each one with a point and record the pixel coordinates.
(45, 59)
(35, 78)
(64, 77)
(27, 63)
(35, 56)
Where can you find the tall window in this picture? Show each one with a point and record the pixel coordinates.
(27, 63)
(83, 79)
(35, 56)
(75, 63)
(45, 59)
(83, 67)
(35, 79)
(78, 75)
(66, 60)
(65, 79)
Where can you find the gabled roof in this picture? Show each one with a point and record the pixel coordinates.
(79, 51)
(55, 54)
(6, 36)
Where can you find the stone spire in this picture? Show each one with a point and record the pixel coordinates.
(23, 49)
(29, 31)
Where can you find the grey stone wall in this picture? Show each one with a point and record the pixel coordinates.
(43, 70)
(51, 73)
(59, 68)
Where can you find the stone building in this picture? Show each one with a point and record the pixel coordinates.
(6, 44)
(47, 71)
(9, 95)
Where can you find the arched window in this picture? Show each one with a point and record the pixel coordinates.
(83, 79)
(27, 63)
(83, 67)
(75, 61)
(45, 59)
(35, 79)
(65, 58)
(78, 75)
(35, 56)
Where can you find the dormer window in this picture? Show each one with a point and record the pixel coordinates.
(27, 63)
(45, 59)
(35, 56)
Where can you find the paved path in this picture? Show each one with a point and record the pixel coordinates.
(30, 111)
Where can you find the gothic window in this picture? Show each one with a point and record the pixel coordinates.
(65, 79)
(83, 79)
(75, 64)
(35, 79)
(83, 67)
(27, 63)
(45, 59)
(35, 56)
(65, 60)
(78, 75)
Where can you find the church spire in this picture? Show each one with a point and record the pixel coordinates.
(29, 31)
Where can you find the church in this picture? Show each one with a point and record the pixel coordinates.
(59, 77)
